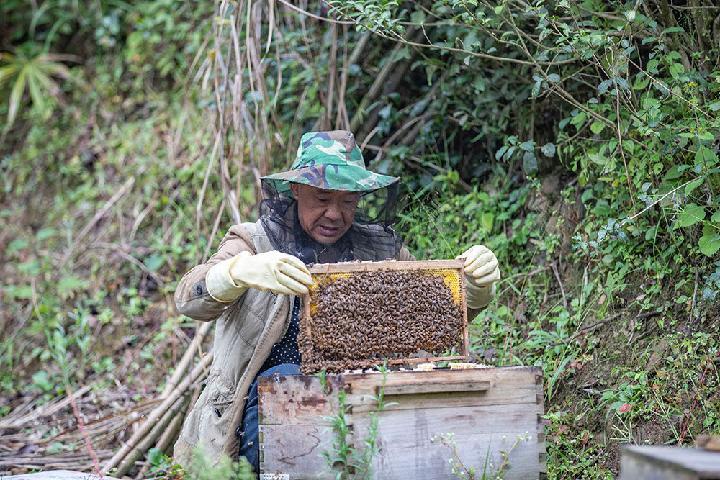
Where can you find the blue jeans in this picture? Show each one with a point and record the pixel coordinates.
(249, 435)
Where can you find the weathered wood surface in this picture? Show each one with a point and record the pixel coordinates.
(343, 267)
(502, 407)
(666, 463)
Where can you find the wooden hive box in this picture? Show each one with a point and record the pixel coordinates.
(491, 412)
(448, 272)
(662, 462)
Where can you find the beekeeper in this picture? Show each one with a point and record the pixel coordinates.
(327, 208)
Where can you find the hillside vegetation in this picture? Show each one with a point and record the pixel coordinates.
(578, 140)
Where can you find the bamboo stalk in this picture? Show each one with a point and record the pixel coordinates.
(187, 357)
(170, 433)
(148, 440)
(156, 414)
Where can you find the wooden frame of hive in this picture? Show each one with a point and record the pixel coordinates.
(450, 270)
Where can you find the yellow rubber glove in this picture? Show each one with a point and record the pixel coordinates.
(481, 272)
(270, 271)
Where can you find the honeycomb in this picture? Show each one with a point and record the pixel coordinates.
(362, 317)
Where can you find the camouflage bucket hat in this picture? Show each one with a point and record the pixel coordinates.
(332, 161)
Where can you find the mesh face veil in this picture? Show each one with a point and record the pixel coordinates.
(332, 161)
(371, 236)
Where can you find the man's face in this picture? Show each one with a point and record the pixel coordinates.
(325, 215)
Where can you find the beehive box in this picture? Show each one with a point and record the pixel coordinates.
(662, 462)
(489, 412)
(361, 314)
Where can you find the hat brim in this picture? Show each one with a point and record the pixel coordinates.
(342, 177)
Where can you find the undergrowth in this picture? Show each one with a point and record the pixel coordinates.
(578, 140)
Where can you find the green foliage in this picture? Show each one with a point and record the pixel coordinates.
(163, 467)
(489, 470)
(224, 469)
(23, 71)
(578, 140)
(346, 459)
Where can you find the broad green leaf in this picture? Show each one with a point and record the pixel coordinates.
(709, 243)
(527, 146)
(597, 127)
(706, 136)
(578, 120)
(641, 82)
(690, 187)
(17, 245)
(672, 30)
(23, 292)
(715, 217)
(676, 69)
(674, 173)
(418, 16)
(652, 65)
(45, 233)
(486, 220)
(690, 215)
(705, 155)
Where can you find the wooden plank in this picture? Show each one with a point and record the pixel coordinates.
(299, 399)
(406, 443)
(297, 427)
(366, 403)
(296, 450)
(503, 377)
(439, 387)
(479, 434)
(344, 267)
(665, 462)
(296, 399)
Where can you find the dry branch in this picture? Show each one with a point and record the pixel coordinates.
(45, 411)
(375, 88)
(187, 357)
(148, 440)
(98, 216)
(157, 414)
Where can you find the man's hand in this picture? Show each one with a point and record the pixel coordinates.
(481, 272)
(272, 271)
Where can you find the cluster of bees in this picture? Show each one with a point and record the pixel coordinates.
(359, 321)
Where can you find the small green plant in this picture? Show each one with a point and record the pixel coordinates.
(162, 467)
(464, 472)
(345, 458)
(36, 73)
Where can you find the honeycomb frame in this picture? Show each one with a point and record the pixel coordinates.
(450, 270)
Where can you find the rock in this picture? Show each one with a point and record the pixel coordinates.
(58, 475)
